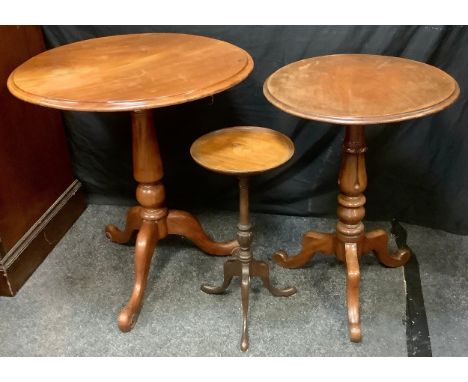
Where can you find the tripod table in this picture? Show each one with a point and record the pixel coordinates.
(136, 73)
(355, 90)
(243, 151)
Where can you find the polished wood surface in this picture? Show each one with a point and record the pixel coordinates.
(244, 265)
(33, 148)
(356, 90)
(350, 241)
(136, 73)
(360, 89)
(33, 247)
(130, 72)
(242, 150)
(151, 218)
(35, 170)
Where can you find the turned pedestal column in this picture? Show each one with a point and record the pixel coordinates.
(243, 151)
(151, 218)
(350, 241)
(355, 90)
(137, 73)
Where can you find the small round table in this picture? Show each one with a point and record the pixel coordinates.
(243, 151)
(136, 73)
(356, 90)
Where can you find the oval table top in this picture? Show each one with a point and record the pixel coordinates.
(360, 89)
(130, 72)
(242, 150)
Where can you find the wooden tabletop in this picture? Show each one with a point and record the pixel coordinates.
(360, 89)
(242, 150)
(130, 72)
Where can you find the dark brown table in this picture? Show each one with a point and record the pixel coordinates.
(355, 90)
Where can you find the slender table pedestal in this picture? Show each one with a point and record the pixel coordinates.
(356, 90)
(243, 151)
(137, 73)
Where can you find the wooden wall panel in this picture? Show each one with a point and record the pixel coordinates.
(35, 167)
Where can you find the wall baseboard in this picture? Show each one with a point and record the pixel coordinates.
(18, 264)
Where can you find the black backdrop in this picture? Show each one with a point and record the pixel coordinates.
(417, 170)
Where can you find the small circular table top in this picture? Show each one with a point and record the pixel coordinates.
(242, 150)
(130, 72)
(360, 89)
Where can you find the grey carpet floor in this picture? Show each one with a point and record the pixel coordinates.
(443, 263)
(69, 306)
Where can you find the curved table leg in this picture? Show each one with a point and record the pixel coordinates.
(185, 224)
(352, 291)
(245, 290)
(260, 269)
(231, 268)
(146, 242)
(312, 242)
(133, 223)
(377, 241)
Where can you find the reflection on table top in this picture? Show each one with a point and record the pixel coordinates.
(360, 89)
(130, 72)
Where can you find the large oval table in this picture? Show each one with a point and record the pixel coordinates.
(355, 90)
(137, 73)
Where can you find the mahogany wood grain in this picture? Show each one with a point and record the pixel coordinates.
(38, 200)
(33, 149)
(136, 73)
(360, 89)
(151, 218)
(242, 150)
(184, 224)
(350, 241)
(356, 90)
(130, 72)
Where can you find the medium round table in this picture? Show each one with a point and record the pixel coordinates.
(137, 73)
(356, 90)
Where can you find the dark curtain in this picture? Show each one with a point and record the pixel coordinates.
(417, 170)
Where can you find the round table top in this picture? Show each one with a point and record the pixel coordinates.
(130, 72)
(360, 89)
(242, 150)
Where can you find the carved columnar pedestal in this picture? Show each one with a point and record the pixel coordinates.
(136, 73)
(355, 90)
(151, 218)
(350, 241)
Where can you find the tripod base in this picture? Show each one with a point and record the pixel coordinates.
(246, 270)
(348, 253)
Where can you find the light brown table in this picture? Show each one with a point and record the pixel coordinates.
(137, 73)
(243, 151)
(355, 90)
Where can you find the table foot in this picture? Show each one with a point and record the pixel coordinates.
(260, 269)
(151, 216)
(231, 268)
(245, 291)
(349, 253)
(352, 291)
(133, 223)
(185, 224)
(149, 232)
(311, 243)
(146, 241)
(246, 270)
(377, 242)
